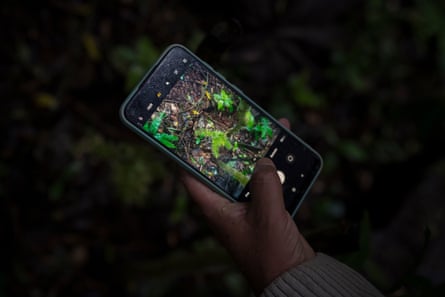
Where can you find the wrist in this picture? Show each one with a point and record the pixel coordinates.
(264, 275)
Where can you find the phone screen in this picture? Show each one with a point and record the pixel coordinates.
(194, 114)
(212, 128)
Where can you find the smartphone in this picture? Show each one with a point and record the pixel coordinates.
(195, 116)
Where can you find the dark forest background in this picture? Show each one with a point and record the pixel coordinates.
(89, 209)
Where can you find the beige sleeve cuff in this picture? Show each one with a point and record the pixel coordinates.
(321, 276)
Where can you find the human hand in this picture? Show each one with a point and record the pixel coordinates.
(260, 235)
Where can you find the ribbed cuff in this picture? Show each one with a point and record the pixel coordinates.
(322, 276)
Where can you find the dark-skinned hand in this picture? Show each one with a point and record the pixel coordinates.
(260, 235)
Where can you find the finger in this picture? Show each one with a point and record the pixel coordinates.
(285, 122)
(211, 203)
(266, 190)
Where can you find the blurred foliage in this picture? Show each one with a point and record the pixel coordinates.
(132, 168)
(134, 61)
(302, 94)
(91, 210)
(361, 259)
(205, 256)
(428, 23)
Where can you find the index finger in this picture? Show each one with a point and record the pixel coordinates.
(208, 201)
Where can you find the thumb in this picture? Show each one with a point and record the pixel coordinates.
(266, 190)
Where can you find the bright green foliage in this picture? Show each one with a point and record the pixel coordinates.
(264, 128)
(166, 139)
(198, 140)
(241, 177)
(249, 119)
(153, 127)
(223, 101)
(261, 129)
(219, 139)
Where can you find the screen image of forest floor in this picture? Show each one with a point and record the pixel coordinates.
(212, 129)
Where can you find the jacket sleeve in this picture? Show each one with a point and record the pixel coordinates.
(321, 277)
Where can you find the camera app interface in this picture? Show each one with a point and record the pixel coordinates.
(212, 128)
